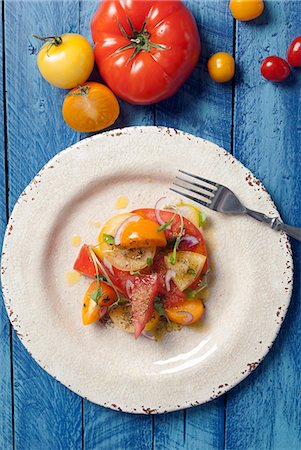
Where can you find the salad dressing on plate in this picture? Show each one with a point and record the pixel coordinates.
(122, 202)
(72, 277)
(76, 240)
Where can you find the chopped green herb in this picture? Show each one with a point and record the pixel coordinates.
(172, 259)
(190, 271)
(135, 272)
(108, 239)
(149, 261)
(166, 224)
(202, 217)
(193, 293)
(96, 295)
(159, 307)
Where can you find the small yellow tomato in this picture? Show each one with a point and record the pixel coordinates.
(90, 107)
(187, 313)
(66, 61)
(96, 301)
(221, 67)
(246, 9)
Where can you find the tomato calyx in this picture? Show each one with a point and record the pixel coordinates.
(139, 40)
(55, 41)
(80, 92)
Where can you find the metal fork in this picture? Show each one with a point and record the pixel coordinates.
(221, 199)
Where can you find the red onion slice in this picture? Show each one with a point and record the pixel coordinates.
(123, 225)
(148, 336)
(169, 274)
(128, 287)
(108, 265)
(190, 241)
(102, 311)
(188, 318)
(157, 209)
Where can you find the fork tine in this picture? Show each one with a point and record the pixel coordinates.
(194, 191)
(200, 178)
(191, 197)
(197, 185)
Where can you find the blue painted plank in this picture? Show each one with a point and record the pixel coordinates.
(103, 428)
(264, 412)
(46, 415)
(6, 437)
(203, 108)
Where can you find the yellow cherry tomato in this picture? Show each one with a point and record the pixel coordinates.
(246, 9)
(66, 61)
(143, 233)
(186, 313)
(90, 107)
(96, 301)
(221, 67)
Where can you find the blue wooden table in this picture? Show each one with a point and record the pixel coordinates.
(260, 123)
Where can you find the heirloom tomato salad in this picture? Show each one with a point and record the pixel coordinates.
(149, 270)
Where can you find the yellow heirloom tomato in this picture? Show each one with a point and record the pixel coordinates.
(221, 67)
(65, 61)
(246, 9)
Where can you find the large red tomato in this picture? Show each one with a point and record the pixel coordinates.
(144, 49)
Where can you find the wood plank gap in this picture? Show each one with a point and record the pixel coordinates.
(232, 151)
(233, 88)
(83, 425)
(153, 420)
(6, 182)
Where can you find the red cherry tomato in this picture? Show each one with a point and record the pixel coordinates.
(274, 68)
(294, 52)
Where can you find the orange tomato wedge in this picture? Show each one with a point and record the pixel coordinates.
(96, 301)
(143, 233)
(187, 313)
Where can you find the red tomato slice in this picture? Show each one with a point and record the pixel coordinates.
(174, 297)
(142, 298)
(84, 263)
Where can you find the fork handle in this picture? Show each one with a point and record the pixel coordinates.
(276, 224)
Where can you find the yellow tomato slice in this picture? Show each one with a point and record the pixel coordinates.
(127, 259)
(187, 313)
(122, 317)
(192, 213)
(94, 309)
(143, 233)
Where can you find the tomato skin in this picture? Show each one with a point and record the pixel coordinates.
(221, 67)
(84, 263)
(194, 308)
(90, 107)
(245, 10)
(169, 24)
(275, 69)
(294, 52)
(92, 311)
(68, 64)
(143, 295)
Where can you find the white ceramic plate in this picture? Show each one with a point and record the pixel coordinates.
(248, 301)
